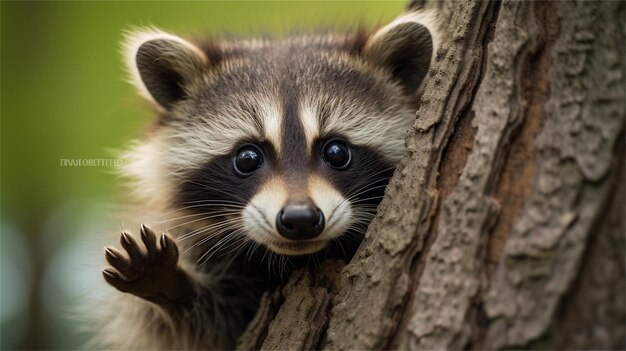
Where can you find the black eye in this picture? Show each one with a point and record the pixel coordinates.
(247, 160)
(337, 154)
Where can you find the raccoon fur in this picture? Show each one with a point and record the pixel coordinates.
(266, 155)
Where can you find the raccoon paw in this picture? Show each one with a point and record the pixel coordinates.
(152, 274)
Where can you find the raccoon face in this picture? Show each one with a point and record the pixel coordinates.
(288, 143)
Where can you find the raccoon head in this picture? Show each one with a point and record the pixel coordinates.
(284, 143)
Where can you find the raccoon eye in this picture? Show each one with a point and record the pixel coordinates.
(337, 154)
(247, 160)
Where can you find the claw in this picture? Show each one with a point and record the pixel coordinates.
(143, 230)
(149, 240)
(126, 238)
(163, 241)
(110, 252)
(123, 266)
(170, 250)
(110, 274)
(130, 245)
(115, 280)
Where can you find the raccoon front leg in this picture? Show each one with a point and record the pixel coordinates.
(153, 274)
(181, 309)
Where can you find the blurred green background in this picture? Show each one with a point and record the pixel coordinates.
(64, 96)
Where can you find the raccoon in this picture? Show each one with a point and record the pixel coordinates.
(266, 155)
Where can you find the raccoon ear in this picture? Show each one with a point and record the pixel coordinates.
(406, 48)
(163, 65)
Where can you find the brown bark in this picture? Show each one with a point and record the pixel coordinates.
(503, 226)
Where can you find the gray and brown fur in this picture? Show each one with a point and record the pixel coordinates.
(198, 285)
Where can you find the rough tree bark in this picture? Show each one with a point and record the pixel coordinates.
(503, 226)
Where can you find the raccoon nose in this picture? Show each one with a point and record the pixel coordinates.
(300, 221)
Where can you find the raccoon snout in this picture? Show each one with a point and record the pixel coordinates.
(300, 221)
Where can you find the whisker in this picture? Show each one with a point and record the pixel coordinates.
(209, 215)
(370, 177)
(236, 244)
(368, 198)
(217, 215)
(360, 192)
(233, 195)
(213, 200)
(215, 247)
(215, 226)
(208, 204)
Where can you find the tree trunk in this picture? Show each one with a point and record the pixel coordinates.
(503, 226)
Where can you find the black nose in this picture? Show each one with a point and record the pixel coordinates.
(300, 221)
